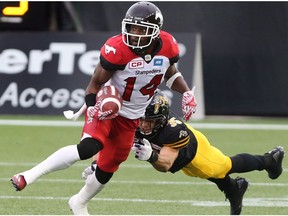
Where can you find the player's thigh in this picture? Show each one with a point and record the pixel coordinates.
(116, 149)
(209, 162)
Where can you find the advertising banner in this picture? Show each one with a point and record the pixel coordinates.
(47, 73)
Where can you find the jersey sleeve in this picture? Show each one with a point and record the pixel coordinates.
(170, 47)
(184, 140)
(112, 56)
(177, 135)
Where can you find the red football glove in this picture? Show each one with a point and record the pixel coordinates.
(92, 111)
(188, 104)
(107, 115)
(95, 112)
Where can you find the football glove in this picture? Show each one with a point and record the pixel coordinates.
(188, 104)
(107, 115)
(144, 152)
(95, 112)
(89, 170)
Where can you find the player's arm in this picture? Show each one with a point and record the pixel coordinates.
(166, 158)
(161, 161)
(175, 81)
(99, 77)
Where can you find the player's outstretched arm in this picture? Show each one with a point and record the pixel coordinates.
(166, 158)
(175, 81)
(161, 161)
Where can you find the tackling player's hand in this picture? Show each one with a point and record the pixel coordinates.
(188, 104)
(89, 170)
(144, 151)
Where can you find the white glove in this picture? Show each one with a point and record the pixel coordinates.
(188, 104)
(89, 170)
(144, 152)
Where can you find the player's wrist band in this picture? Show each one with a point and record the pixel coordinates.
(154, 157)
(90, 99)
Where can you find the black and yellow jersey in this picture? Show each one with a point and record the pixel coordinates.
(176, 135)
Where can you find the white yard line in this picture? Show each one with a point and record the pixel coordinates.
(232, 126)
(259, 202)
(67, 181)
(82, 164)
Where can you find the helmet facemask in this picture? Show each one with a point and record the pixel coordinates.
(144, 15)
(157, 110)
(160, 121)
(152, 32)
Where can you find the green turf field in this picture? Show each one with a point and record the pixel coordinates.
(137, 189)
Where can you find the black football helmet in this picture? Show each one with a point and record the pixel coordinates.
(145, 15)
(158, 109)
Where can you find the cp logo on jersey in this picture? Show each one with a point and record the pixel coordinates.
(136, 64)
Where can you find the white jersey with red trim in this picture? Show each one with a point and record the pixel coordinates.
(135, 77)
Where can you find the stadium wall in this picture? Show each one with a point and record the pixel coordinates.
(244, 47)
(47, 73)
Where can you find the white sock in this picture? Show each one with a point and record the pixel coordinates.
(61, 159)
(90, 189)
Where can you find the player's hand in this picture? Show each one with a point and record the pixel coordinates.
(95, 112)
(89, 170)
(188, 104)
(92, 111)
(144, 151)
(107, 115)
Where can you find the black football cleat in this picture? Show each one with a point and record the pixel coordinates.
(274, 164)
(19, 182)
(235, 195)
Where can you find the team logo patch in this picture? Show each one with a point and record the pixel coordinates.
(158, 62)
(109, 49)
(136, 64)
(183, 134)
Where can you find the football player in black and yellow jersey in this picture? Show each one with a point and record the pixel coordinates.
(171, 145)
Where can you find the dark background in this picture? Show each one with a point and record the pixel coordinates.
(244, 45)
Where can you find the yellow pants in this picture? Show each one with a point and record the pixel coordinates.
(209, 162)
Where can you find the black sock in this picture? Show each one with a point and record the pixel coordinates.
(246, 162)
(223, 184)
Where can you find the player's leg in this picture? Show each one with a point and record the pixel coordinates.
(210, 163)
(116, 150)
(59, 160)
(234, 190)
(93, 185)
(271, 162)
(62, 158)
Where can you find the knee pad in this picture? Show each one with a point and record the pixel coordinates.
(102, 176)
(88, 147)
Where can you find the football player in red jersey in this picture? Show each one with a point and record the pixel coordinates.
(135, 62)
(171, 145)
